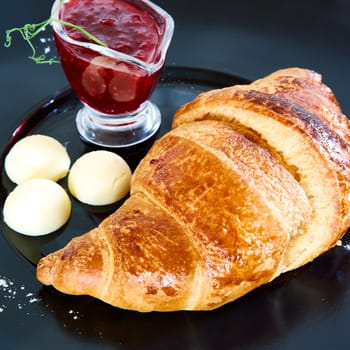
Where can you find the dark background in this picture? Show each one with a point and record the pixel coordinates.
(248, 38)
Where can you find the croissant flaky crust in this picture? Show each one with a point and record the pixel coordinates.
(251, 182)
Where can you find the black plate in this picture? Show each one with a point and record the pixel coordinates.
(292, 307)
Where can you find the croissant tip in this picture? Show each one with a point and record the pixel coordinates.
(45, 271)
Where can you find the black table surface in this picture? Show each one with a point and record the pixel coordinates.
(247, 38)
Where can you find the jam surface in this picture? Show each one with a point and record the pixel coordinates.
(122, 25)
(110, 85)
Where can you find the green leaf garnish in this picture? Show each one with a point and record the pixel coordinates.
(30, 31)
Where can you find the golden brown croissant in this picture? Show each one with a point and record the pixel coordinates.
(294, 115)
(251, 182)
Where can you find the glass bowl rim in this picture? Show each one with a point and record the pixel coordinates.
(114, 54)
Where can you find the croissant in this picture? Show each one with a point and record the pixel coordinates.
(299, 120)
(251, 182)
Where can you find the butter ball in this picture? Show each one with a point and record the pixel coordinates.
(37, 207)
(37, 156)
(99, 178)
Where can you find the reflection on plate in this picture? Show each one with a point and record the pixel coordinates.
(265, 318)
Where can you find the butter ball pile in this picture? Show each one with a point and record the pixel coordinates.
(99, 178)
(39, 205)
(37, 157)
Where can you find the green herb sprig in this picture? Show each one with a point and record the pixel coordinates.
(30, 31)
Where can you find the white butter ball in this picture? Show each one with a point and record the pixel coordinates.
(37, 156)
(37, 207)
(99, 178)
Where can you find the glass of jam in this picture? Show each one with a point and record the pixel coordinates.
(113, 76)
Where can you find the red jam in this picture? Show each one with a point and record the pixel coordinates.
(104, 83)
